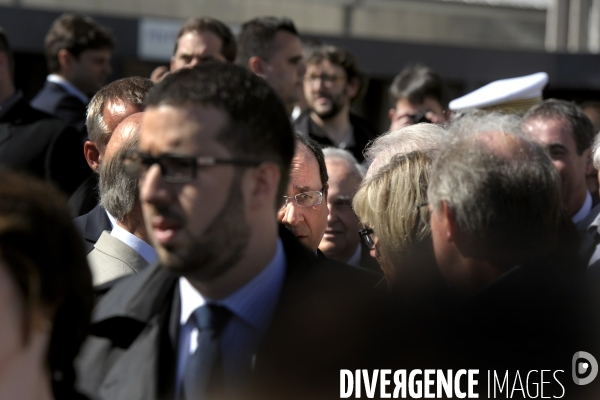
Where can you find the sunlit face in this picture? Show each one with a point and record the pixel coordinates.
(284, 70)
(194, 48)
(341, 237)
(91, 69)
(557, 137)
(308, 224)
(198, 228)
(326, 89)
(400, 116)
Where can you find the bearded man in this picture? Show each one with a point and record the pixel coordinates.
(332, 82)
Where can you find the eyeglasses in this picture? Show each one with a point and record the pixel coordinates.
(305, 199)
(326, 79)
(174, 168)
(367, 235)
(424, 213)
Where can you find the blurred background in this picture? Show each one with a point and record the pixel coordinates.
(468, 42)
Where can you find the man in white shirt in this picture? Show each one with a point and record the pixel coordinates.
(78, 51)
(123, 250)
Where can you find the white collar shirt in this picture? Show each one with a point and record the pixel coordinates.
(584, 210)
(355, 259)
(143, 248)
(68, 87)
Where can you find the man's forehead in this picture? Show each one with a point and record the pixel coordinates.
(285, 43)
(304, 174)
(190, 126)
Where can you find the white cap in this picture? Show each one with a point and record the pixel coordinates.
(516, 94)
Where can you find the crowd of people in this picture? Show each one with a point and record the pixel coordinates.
(229, 228)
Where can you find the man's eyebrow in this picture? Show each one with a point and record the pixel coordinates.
(295, 59)
(556, 146)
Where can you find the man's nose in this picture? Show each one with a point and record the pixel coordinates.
(153, 189)
(291, 214)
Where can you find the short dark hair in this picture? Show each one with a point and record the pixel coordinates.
(256, 37)
(314, 148)
(581, 126)
(5, 48)
(258, 125)
(76, 34)
(44, 254)
(131, 90)
(337, 56)
(417, 82)
(207, 24)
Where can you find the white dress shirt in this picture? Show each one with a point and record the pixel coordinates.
(143, 248)
(584, 210)
(252, 307)
(68, 87)
(355, 259)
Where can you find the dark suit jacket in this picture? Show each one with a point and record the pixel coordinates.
(54, 100)
(132, 351)
(35, 142)
(91, 226)
(363, 133)
(85, 197)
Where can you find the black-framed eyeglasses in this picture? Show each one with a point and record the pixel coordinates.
(424, 213)
(174, 168)
(305, 199)
(368, 236)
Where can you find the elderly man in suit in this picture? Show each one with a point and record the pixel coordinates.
(230, 308)
(125, 249)
(33, 141)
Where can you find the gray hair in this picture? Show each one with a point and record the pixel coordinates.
(596, 152)
(502, 188)
(130, 90)
(419, 137)
(118, 191)
(345, 155)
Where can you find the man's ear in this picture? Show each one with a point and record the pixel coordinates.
(65, 60)
(353, 88)
(448, 222)
(257, 66)
(589, 165)
(262, 188)
(92, 155)
(392, 114)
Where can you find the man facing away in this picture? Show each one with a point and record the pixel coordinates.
(332, 82)
(124, 249)
(233, 302)
(270, 48)
(78, 52)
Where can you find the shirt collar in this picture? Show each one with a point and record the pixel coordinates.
(113, 220)
(254, 302)
(68, 87)
(7, 104)
(143, 248)
(584, 210)
(355, 259)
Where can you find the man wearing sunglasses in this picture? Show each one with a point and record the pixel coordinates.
(235, 302)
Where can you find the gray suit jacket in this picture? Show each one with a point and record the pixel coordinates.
(112, 259)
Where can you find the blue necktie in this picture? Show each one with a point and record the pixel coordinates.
(203, 377)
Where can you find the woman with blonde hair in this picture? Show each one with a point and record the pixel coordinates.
(392, 205)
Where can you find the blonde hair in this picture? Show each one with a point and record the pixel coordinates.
(387, 203)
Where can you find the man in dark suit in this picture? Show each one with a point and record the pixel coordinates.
(78, 52)
(109, 106)
(341, 241)
(232, 296)
(33, 141)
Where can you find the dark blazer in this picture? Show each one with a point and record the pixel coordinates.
(35, 142)
(85, 197)
(363, 133)
(132, 351)
(56, 101)
(91, 226)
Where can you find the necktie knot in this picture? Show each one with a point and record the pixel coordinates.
(211, 317)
